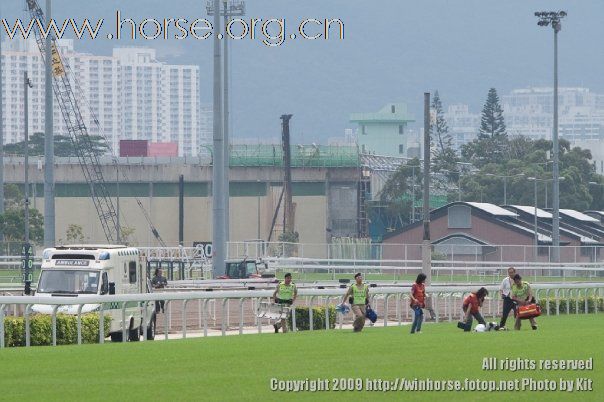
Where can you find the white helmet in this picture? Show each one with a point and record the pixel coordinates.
(480, 328)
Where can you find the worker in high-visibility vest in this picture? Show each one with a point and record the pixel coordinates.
(358, 293)
(285, 294)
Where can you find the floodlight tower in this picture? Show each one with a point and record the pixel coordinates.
(554, 18)
(229, 8)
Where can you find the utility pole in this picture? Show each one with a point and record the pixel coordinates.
(49, 152)
(554, 18)
(556, 183)
(218, 174)
(288, 213)
(26, 86)
(230, 9)
(181, 210)
(225, 128)
(536, 239)
(27, 249)
(118, 229)
(426, 249)
(1, 140)
(413, 194)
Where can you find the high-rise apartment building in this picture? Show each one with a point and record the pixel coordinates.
(129, 95)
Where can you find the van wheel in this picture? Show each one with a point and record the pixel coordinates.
(134, 335)
(151, 328)
(116, 336)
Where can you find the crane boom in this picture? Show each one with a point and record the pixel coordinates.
(78, 132)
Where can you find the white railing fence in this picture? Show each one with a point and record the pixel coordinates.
(445, 302)
(440, 252)
(442, 271)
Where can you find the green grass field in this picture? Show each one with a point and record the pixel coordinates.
(241, 367)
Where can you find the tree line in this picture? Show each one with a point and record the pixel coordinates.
(475, 171)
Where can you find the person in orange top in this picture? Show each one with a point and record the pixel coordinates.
(418, 303)
(471, 307)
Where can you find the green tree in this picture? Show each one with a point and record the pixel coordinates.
(444, 157)
(74, 233)
(12, 225)
(491, 145)
(126, 234)
(64, 146)
(396, 194)
(579, 190)
(13, 196)
(492, 123)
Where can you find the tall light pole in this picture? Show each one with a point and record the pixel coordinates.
(230, 8)
(426, 249)
(26, 86)
(49, 152)
(118, 229)
(536, 237)
(505, 183)
(218, 177)
(554, 18)
(1, 141)
(545, 181)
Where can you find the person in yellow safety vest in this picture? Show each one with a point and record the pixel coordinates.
(359, 297)
(285, 294)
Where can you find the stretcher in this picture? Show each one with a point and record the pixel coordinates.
(273, 311)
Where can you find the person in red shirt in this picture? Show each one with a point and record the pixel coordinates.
(418, 303)
(471, 307)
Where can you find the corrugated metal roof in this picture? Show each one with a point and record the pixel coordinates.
(531, 210)
(578, 215)
(492, 209)
(541, 237)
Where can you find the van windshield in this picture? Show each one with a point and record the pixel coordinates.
(241, 270)
(68, 281)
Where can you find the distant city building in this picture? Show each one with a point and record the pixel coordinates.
(350, 138)
(128, 95)
(529, 112)
(463, 125)
(384, 132)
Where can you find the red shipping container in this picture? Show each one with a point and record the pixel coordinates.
(163, 149)
(134, 148)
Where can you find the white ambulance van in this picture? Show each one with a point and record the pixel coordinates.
(82, 270)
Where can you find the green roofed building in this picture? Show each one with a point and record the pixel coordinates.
(384, 132)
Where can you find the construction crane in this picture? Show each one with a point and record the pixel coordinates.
(78, 132)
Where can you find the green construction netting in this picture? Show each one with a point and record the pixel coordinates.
(301, 155)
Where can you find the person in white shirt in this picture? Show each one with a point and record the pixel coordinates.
(508, 303)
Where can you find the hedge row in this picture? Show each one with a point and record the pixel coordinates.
(318, 318)
(592, 303)
(40, 327)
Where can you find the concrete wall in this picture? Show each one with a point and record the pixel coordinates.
(254, 196)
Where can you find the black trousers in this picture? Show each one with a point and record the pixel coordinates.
(508, 305)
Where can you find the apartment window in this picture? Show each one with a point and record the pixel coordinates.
(363, 130)
(401, 149)
(393, 108)
(401, 129)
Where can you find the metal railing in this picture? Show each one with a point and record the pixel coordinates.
(445, 301)
(440, 252)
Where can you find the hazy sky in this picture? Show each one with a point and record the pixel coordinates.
(393, 51)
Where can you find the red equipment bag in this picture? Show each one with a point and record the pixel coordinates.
(528, 311)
